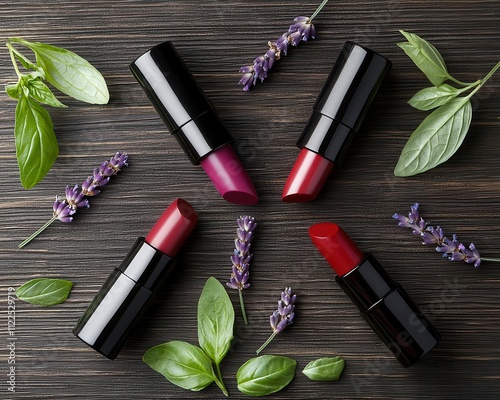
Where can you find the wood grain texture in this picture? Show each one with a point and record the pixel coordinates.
(215, 38)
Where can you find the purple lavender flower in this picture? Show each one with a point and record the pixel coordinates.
(110, 168)
(304, 26)
(433, 236)
(241, 258)
(449, 246)
(286, 306)
(300, 31)
(118, 161)
(90, 187)
(452, 249)
(283, 316)
(76, 197)
(62, 211)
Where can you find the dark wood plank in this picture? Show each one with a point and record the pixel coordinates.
(216, 38)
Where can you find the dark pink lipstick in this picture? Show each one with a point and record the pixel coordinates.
(338, 114)
(131, 288)
(191, 118)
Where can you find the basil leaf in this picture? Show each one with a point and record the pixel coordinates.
(13, 91)
(44, 291)
(436, 139)
(68, 72)
(429, 98)
(325, 369)
(426, 58)
(41, 92)
(215, 320)
(264, 375)
(182, 364)
(36, 143)
(24, 61)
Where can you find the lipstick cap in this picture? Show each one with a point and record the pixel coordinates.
(124, 298)
(344, 101)
(181, 103)
(390, 311)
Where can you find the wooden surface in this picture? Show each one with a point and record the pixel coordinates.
(215, 38)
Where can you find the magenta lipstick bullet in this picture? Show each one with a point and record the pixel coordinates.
(192, 120)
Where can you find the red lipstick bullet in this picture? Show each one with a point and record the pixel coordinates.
(172, 229)
(131, 288)
(338, 114)
(191, 118)
(383, 303)
(307, 177)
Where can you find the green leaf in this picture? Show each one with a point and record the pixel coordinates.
(433, 97)
(264, 375)
(426, 58)
(27, 64)
(325, 369)
(36, 143)
(13, 91)
(68, 72)
(44, 291)
(182, 364)
(215, 320)
(436, 139)
(41, 92)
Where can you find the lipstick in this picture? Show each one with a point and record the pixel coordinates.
(131, 288)
(338, 114)
(191, 118)
(383, 303)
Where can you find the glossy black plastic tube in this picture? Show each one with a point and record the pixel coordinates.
(124, 298)
(180, 102)
(344, 101)
(390, 311)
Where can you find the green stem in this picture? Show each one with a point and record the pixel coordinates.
(490, 74)
(485, 79)
(318, 9)
(219, 382)
(242, 304)
(14, 61)
(490, 259)
(266, 342)
(460, 82)
(45, 226)
(472, 85)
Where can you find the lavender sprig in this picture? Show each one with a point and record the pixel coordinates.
(76, 197)
(282, 317)
(241, 258)
(453, 249)
(300, 31)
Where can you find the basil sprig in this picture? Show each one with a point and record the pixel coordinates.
(264, 375)
(442, 132)
(189, 366)
(36, 144)
(44, 291)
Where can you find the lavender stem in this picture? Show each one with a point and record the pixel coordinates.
(318, 9)
(34, 235)
(269, 339)
(490, 259)
(242, 304)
